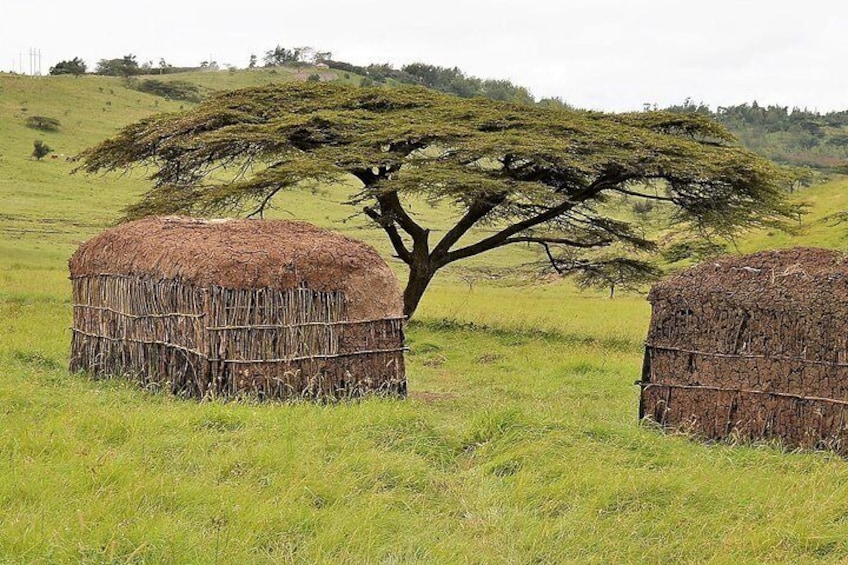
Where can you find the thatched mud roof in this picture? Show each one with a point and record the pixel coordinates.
(246, 254)
(798, 276)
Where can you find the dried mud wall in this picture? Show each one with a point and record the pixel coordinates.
(760, 353)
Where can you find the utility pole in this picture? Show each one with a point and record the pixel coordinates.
(34, 62)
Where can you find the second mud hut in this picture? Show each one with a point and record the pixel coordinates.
(271, 309)
(753, 347)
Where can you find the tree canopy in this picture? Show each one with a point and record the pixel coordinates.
(124, 67)
(530, 174)
(75, 66)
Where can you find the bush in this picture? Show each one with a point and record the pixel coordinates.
(643, 207)
(43, 123)
(40, 149)
(172, 90)
(314, 78)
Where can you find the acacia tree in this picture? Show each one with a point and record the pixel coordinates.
(529, 174)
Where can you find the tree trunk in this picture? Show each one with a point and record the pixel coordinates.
(419, 279)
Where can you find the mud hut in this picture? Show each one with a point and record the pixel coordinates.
(273, 309)
(753, 347)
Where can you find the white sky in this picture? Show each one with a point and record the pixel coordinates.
(602, 54)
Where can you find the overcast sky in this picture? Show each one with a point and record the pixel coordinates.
(600, 54)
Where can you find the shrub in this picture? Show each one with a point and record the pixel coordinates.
(173, 90)
(43, 123)
(40, 149)
(643, 207)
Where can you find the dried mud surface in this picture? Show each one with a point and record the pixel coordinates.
(753, 346)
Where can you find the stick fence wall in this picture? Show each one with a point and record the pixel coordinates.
(215, 341)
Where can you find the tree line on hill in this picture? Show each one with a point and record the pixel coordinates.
(797, 137)
(126, 66)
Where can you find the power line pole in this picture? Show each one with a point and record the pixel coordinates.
(34, 62)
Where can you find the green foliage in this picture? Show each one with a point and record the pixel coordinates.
(124, 67)
(279, 56)
(795, 136)
(535, 175)
(75, 66)
(42, 123)
(606, 271)
(695, 251)
(314, 78)
(40, 149)
(172, 90)
(449, 80)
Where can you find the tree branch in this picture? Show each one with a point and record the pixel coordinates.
(545, 241)
(551, 258)
(261, 209)
(478, 209)
(499, 238)
(642, 195)
(394, 237)
(392, 209)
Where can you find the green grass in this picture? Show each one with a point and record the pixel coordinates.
(519, 442)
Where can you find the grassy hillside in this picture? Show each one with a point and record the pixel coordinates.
(519, 443)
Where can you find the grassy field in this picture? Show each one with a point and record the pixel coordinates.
(519, 442)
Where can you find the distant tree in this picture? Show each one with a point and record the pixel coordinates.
(164, 66)
(454, 81)
(40, 149)
(209, 65)
(529, 175)
(553, 102)
(279, 56)
(123, 67)
(252, 63)
(75, 66)
(506, 91)
(304, 54)
(323, 56)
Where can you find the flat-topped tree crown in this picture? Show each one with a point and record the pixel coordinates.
(532, 174)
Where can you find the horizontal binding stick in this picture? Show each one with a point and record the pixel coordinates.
(646, 386)
(302, 324)
(140, 316)
(143, 341)
(307, 358)
(738, 356)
